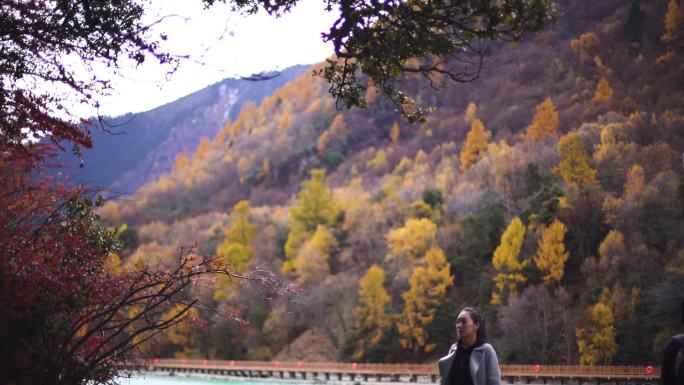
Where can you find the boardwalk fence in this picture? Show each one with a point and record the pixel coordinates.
(423, 373)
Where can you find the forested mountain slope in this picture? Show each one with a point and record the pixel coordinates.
(548, 193)
(133, 149)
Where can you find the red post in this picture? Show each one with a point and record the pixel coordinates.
(649, 369)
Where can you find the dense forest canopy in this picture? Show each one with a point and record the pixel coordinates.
(548, 193)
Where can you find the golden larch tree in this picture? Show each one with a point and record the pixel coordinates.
(427, 291)
(311, 263)
(545, 121)
(673, 22)
(184, 335)
(612, 251)
(315, 203)
(379, 161)
(246, 117)
(202, 149)
(574, 165)
(506, 263)
(551, 255)
(371, 320)
(315, 206)
(470, 113)
(241, 230)
(236, 250)
(475, 144)
(596, 341)
(603, 93)
(585, 46)
(635, 184)
(411, 241)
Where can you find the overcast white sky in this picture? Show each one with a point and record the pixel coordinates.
(221, 45)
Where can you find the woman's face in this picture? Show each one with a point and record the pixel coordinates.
(465, 327)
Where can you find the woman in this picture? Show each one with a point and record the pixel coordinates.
(471, 361)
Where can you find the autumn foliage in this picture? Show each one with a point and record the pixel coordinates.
(475, 143)
(551, 255)
(371, 319)
(70, 314)
(507, 263)
(545, 121)
(428, 288)
(565, 228)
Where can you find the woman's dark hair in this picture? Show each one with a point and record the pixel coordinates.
(681, 309)
(478, 319)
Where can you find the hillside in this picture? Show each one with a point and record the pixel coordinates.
(134, 149)
(548, 193)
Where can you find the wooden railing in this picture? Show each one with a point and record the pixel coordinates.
(533, 370)
(646, 371)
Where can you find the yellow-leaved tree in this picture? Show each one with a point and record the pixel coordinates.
(427, 291)
(506, 263)
(596, 341)
(470, 113)
(312, 259)
(475, 144)
(183, 335)
(673, 22)
(612, 252)
(545, 121)
(551, 254)
(585, 46)
(315, 206)
(574, 165)
(236, 250)
(635, 184)
(411, 241)
(241, 230)
(202, 149)
(603, 93)
(371, 320)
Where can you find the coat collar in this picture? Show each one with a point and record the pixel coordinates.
(454, 348)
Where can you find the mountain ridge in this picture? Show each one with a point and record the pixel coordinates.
(135, 148)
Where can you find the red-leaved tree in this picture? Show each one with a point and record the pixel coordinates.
(66, 317)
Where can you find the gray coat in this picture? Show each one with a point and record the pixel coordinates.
(484, 366)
